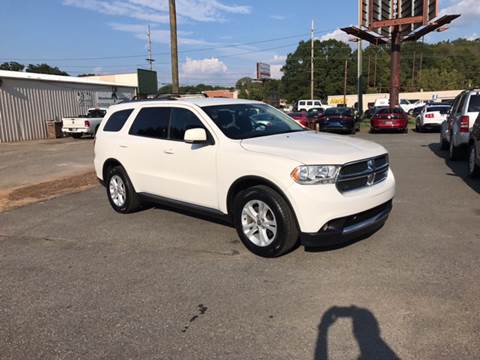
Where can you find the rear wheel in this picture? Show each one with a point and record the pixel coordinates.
(264, 221)
(443, 142)
(76, 135)
(454, 152)
(473, 168)
(120, 191)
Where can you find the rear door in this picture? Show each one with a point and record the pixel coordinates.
(144, 150)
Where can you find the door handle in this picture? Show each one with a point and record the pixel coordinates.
(169, 151)
(123, 146)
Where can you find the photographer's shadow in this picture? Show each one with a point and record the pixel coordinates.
(365, 330)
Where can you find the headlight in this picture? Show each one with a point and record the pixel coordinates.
(315, 174)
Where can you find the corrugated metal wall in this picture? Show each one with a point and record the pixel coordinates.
(26, 105)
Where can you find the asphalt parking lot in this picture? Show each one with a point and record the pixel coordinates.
(80, 281)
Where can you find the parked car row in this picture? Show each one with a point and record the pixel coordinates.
(459, 133)
(333, 119)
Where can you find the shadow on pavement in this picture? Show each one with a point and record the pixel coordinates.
(366, 332)
(459, 168)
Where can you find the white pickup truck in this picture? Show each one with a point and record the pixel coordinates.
(87, 124)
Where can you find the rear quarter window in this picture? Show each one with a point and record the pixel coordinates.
(116, 121)
(474, 104)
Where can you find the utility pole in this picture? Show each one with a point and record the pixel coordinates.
(150, 59)
(359, 64)
(312, 48)
(375, 71)
(395, 67)
(368, 72)
(413, 69)
(345, 83)
(173, 45)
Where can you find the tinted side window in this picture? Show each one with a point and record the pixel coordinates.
(460, 105)
(182, 120)
(317, 103)
(309, 103)
(474, 104)
(116, 121)
(151, 122)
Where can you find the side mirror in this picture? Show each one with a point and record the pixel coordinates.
(195, 136)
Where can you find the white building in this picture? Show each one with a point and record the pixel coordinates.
(28, 100)
(412, 96)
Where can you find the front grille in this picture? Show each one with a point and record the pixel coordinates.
(362, 173)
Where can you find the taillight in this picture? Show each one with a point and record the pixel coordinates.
(87, 123)
(429, 116)
(464, 124)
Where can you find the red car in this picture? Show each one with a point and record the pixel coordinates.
(389, 119)
(300, 116)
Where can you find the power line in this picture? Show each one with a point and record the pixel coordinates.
(234, 45)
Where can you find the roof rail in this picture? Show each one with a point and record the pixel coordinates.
(166, 97)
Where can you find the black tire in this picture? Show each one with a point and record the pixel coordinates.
(372, 130)
(405, 131)
(443, 143)
(473, 168)
(454, 152)
(132, 201)
(76, 135)
(417, 128)
(287, 233)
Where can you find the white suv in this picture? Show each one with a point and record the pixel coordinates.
(244, 160)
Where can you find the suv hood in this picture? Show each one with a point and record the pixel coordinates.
(311, 148)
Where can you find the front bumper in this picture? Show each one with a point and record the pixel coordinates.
(316, 205)
(348, 228)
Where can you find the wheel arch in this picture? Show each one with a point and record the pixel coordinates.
(248, 181)
(110, 162)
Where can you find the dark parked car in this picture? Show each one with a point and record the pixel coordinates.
(339, 119)
(389, 119)
(474, 150)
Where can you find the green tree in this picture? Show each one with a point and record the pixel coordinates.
(45, 69)
(12, 66)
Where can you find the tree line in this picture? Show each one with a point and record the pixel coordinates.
(446, 65)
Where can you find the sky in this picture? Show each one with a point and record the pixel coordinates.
(220, 41)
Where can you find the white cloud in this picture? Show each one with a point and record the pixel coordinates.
(158, 11)
(278, 59)
(158, 35)
(275, 71)
(277, 17)
(192, 69)
(118, 8)
(473, 37)
(469, 9)
(336, 35)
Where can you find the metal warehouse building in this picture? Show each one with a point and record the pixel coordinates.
(28, 100)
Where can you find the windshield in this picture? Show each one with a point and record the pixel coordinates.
(97, 113)
(338, 111)
(440, 109)
(390, 111)
(244, 121)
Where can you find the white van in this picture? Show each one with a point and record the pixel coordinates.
(305, 105)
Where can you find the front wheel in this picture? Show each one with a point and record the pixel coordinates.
(264, 221)
(473, 168)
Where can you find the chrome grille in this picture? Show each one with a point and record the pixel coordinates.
(363, 173)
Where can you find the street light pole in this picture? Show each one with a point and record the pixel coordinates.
(173, 44)
(359, 63)
(312, 48)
